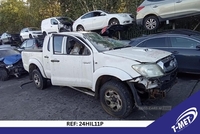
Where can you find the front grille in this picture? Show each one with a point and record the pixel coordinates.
(168, 63)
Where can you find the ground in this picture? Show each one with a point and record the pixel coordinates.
(20, 100)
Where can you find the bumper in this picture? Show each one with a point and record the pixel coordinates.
(16, 70)
(159, 83)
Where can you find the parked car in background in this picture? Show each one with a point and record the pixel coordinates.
(56, 25)
(152, 12)
(34, 43)
(185, 47)
(10, 63)
(9, 38)
(99, 19)
(30, 32)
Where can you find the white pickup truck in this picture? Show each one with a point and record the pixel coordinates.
(119, 75)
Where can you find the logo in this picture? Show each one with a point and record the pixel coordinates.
(185, 119)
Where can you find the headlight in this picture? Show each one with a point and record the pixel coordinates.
(148, 70)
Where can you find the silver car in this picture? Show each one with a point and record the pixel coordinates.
(152, 12)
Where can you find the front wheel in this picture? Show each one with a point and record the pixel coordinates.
(39, 81)
(116, 99)
(113, 22)
(151, 23)
(3, 74)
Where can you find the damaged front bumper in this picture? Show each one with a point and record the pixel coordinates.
(151, 88)
(16, 70)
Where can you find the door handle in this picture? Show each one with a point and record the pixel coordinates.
(46, 57)
(155, 6)
(179, 1)
(55, 61)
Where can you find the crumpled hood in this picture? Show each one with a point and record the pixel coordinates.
(12, 59)
(142, 55)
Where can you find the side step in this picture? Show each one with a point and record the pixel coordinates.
(84, 90)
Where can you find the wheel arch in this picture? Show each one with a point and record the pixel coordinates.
(150, 15)
(34, 64)
(106, 74)
(112, 19)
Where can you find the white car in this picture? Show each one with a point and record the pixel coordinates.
(56, 25)
(99, 19)
(30, 32)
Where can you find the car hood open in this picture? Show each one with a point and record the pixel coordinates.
(12, 59)
(142, 55)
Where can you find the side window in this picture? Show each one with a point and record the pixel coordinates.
(57, 44)
(183, 42)
(89, 15)
(54, 22)
(75, 47)
(29, 43)
(97, 14)
(156, 42)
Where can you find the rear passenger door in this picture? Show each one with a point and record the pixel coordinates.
(163, 8)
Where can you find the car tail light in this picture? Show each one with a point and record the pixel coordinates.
(140, 8)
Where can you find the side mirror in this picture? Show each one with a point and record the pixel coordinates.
(103, 14)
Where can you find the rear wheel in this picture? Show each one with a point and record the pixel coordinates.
(30, 36)
(80, 28)
(39, 81)
(151, 23)
(44, 34)
(3, 74)
(116, 99)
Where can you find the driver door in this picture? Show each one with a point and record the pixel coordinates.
(70, 65)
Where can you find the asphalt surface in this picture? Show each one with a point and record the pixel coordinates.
(20, 100)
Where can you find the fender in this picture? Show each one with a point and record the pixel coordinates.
(39, 65)
(110, 71)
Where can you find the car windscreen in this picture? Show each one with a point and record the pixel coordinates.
(102, 43)
(8, 52)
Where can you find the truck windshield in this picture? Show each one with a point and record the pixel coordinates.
(104, 43)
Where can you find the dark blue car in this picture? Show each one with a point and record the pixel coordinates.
(10, 63)
(184, 44)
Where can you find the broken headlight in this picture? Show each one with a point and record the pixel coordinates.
(148, 70)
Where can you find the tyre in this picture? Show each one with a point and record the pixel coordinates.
(116, 99)
(80, 28)
(30, 36)
(3, 74)
(44, 34)
(151, 23)
(39, 81)
(113, 22)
